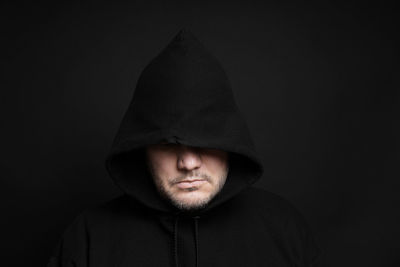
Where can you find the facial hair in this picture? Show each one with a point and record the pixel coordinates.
(181, 204)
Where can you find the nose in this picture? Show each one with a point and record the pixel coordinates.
(188, 159)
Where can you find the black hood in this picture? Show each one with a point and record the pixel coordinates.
(183, 96)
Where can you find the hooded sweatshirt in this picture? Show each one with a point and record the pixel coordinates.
(183, 96)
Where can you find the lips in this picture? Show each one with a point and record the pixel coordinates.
(190, 180)
(190, 183)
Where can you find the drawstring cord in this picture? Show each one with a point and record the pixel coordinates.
(196, 238)
(176, 241)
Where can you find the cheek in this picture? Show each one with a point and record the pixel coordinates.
(216, 164)
(163, 163)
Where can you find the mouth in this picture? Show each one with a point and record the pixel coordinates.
(190, 183)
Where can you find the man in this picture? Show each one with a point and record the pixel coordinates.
(185, 161)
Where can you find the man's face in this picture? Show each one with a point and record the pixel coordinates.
(188, 176)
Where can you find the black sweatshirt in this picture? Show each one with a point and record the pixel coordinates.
(183, 96)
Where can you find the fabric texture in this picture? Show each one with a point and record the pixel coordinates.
(183, 96)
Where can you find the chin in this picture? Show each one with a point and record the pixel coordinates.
(191, 202)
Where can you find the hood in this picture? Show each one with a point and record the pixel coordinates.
(182, 96)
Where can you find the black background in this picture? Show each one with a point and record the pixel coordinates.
(318, 85)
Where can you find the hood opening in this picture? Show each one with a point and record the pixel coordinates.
(130, 173)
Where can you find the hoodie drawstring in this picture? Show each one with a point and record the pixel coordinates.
(176, 241)
(196, 238)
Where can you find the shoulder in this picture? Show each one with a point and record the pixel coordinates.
(75, 239)
(120, 208)
(107, 208)
(285, 223)
(276, 211)
(271, 203)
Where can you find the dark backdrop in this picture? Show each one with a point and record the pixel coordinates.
(317, 83)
